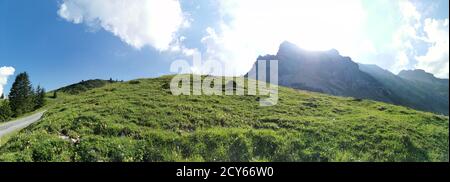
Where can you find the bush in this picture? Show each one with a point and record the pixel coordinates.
(133, 82)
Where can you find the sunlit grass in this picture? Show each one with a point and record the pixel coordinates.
(142, 121)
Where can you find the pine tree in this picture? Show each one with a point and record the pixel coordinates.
(2, 97)
(21, 95)
(39, 99)
(5, 111)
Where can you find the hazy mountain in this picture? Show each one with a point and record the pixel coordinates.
(427, 81)
(329, 72)
(414, 88)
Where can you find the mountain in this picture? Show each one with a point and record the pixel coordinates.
(424, 80)
(421, 76)
(414, 88)
(142, 121)
(329, 72)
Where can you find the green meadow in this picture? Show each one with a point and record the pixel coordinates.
(141, 120)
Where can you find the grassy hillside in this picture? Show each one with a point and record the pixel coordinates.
(84, 86)
(141, 121)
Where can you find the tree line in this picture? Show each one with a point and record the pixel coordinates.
(22, 98)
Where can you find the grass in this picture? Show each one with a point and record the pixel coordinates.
(5, 138)
(84, 86)
(141, 120)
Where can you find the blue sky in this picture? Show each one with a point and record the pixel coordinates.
(59, 42)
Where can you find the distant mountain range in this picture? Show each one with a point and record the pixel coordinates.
(329, 72)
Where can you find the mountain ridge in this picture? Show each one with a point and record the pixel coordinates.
(329, 72)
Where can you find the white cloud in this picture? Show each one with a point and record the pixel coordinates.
(401, 61)
(409, 11)
(436, 60)
(406, 32)
(254, 27)
(5, 72)
(408, 40)
(136, 22)
(178, 46)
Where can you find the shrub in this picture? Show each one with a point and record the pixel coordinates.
(133, 82)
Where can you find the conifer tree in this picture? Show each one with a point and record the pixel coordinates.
(39, 97)
(5, 111)
(21, 95)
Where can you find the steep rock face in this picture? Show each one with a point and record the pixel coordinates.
(329, 72)
(326, 72)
